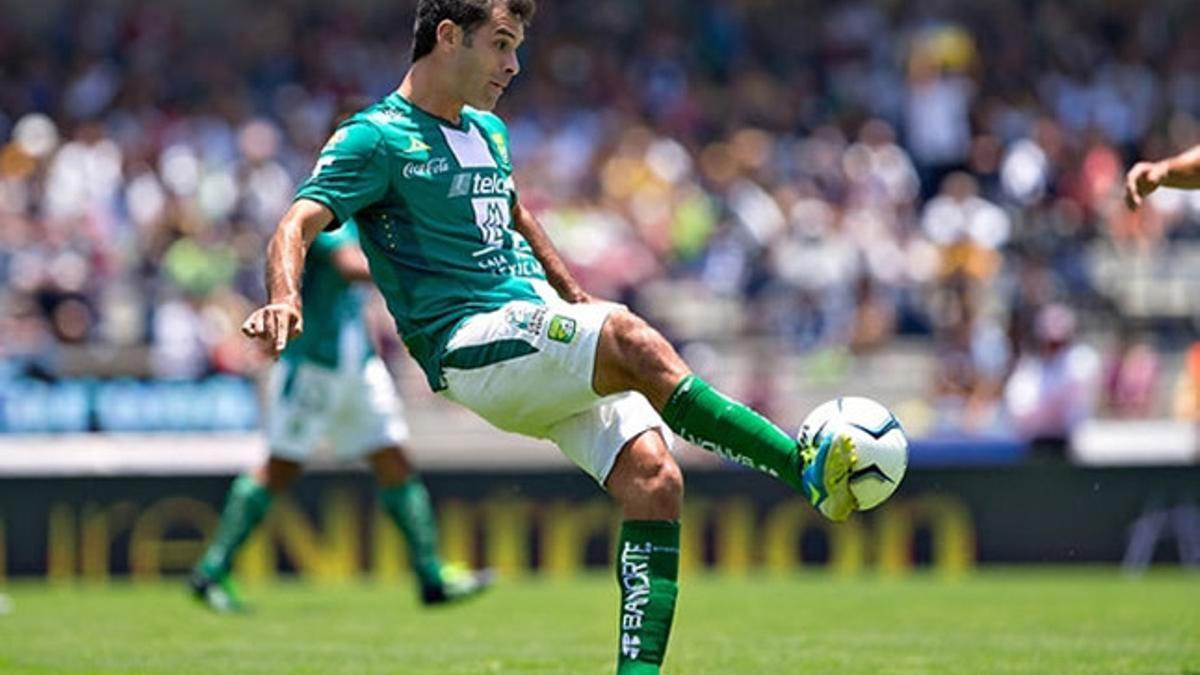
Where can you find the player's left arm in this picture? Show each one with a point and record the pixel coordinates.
(556, 270)
(1179, 171)
(350, 263)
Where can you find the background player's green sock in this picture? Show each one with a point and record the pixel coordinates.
(648, 573)
(709, 419)
(408, 505)
(247, 503)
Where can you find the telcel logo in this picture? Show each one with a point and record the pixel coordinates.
(480, 185)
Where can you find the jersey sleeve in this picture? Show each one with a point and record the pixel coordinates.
(351, 172)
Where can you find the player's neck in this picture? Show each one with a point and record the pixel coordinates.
(422, 88)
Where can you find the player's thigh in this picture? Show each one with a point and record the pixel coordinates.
(371, 415)
(301, 399)
(527, 365)
(594, 439)
(632, 355)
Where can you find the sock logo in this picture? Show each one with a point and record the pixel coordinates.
(630, 645)
(635, 592)
(725, 452)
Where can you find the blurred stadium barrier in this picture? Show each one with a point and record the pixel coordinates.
(557, 522)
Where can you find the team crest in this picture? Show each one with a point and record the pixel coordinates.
(561, 329)
(501, 145)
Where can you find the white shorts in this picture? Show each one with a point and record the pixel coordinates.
(527, 368)
(357, 410)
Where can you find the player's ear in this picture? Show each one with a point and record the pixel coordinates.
(449, 33)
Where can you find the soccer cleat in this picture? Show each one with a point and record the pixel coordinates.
(220, 595)
(457, 583)
(826, 476)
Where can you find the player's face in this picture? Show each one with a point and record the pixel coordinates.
(489, 62)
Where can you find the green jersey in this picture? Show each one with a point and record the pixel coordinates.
(434, 202)
(334, 331)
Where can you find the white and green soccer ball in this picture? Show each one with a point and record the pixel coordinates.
(879, 442)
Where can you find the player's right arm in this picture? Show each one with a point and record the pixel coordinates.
(281, 319)
(1180, 171)
(351, 173)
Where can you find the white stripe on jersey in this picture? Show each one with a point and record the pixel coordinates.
(469, 148)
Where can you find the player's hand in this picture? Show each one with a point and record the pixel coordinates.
(583, 298)
(274, 324)
(1142, 179)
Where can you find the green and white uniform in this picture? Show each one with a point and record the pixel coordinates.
(434, 203)
(329, 381)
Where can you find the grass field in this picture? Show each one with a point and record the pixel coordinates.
(1045, 621)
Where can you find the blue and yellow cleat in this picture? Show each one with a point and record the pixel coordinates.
(457, 583)
(826, 476)
(220, 595)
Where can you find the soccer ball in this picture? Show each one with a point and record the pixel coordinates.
(879, 443)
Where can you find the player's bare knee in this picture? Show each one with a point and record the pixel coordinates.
(277, 475)
(660, 488)
(668, 486)
(391, 466)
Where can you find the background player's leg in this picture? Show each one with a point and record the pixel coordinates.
(407, 503)
(248, 501)
(647, 483)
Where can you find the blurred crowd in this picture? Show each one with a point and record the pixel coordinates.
(848, 174)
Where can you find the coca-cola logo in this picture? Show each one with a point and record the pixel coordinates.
(433, 167)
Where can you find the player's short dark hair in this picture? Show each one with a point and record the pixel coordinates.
(468, 14)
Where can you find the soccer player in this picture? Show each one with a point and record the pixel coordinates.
(1179, 171)
(329, 382)
(489, 310)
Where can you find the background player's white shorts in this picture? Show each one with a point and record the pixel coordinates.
(527, 368)
(356, 409)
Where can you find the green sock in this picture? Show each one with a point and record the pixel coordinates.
(247, 503)
(648, 573)
(408, 505)
(709, 419)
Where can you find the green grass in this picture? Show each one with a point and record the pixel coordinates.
(1059, 621)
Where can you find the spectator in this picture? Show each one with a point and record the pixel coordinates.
(1054, 388)
(821, 171)
(1185, 402)
(1130, 376)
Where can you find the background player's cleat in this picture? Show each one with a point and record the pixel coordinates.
(826, 476)
(220, 595)
(458, 583)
